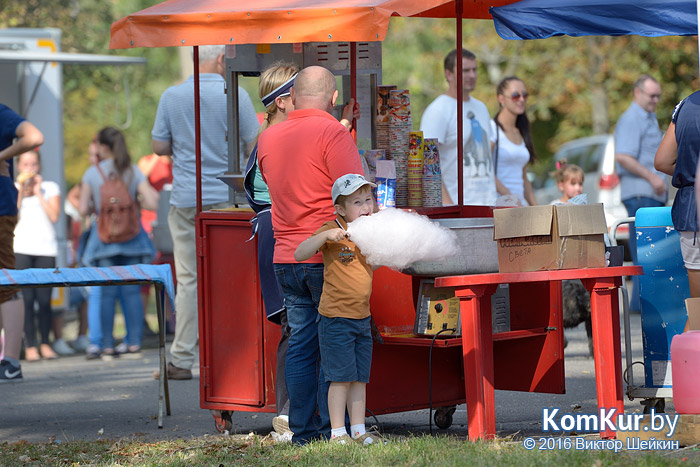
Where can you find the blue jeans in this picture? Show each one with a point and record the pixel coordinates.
(301, 285)
(632, 204)
(129, 297)
(94, 316)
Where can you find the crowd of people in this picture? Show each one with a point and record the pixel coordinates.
(304, 181)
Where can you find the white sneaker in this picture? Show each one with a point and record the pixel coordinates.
(62, 348)
(81, 343)
(281, 424)
(280, 439)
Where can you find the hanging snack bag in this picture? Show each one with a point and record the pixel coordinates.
(371, 156)
(386, 184)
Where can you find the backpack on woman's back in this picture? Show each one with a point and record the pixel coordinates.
(118, 220)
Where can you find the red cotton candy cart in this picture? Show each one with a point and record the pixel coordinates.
(238, 345)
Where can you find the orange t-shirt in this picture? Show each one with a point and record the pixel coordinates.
(300, 159)
(347, 278)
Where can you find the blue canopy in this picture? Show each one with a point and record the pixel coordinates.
(72, 277)
(540, 19)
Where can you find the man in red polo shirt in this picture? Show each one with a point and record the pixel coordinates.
(300, 159)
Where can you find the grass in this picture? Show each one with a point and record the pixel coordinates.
(260, 451)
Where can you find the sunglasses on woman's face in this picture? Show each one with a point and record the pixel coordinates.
(516, 96)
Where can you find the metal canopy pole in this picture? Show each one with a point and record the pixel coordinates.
(353, 83)
(197, 131)
(460, 117)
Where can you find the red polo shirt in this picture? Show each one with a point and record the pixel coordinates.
(300, 159)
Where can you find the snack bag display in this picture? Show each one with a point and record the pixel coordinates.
(386, 184)
(371, 157)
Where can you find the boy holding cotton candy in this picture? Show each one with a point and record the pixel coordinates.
(344, 331)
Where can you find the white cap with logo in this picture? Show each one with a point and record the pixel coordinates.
(348, 184)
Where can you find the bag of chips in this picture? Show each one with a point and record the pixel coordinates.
(386, 184)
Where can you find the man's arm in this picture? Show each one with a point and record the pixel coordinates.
(350, 111)
(149, 196)
(28, 137)
(628, 146)
(632, 165)
(667, 154)
(162, 148)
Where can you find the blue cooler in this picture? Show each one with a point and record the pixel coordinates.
(663, 289)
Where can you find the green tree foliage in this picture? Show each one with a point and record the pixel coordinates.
(578, 86)
(97, 96)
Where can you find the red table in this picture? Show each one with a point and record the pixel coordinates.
(474, 292)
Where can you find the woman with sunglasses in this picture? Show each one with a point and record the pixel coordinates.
(512, 141)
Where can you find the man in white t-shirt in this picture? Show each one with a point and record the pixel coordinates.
(440, 121)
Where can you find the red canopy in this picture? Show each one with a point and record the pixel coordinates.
(209, 22)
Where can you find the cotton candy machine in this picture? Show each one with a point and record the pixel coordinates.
(476, 250)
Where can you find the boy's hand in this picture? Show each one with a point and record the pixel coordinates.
(335, 235)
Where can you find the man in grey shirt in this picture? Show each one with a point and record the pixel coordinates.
(173, 134)
(637, 137)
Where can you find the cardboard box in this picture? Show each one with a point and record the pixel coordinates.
(537, 238)
(692, 306)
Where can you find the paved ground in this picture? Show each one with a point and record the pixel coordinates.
(72, 398)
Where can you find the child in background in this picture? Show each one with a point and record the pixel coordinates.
(344, 332)
(569, 179)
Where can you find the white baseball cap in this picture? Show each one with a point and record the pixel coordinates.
(348, 184)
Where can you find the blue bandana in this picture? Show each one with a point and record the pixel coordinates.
(280, 91)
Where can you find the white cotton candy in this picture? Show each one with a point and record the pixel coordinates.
(396, 238)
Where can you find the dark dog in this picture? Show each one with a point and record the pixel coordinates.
(576, 303)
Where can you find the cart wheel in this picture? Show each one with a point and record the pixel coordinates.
(222, 421)
(443, 417)
(659, 405)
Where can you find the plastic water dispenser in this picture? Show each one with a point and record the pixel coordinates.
(663, 290)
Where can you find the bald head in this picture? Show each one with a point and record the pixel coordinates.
(314, 88)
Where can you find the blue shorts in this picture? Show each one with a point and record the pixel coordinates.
(78, 295)
(346, 349)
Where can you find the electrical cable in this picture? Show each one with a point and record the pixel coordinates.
(376, 421)
(430, 377)
(625, 376)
